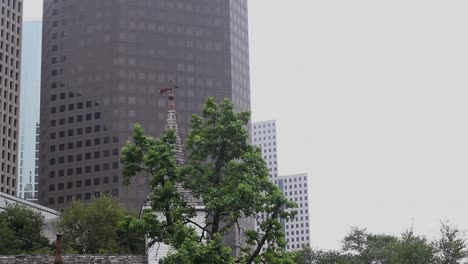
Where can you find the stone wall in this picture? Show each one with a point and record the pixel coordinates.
(75, 259)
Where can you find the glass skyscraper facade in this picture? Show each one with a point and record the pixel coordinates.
(103, 63)
(29, 111)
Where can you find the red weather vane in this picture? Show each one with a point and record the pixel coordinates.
(171, 95)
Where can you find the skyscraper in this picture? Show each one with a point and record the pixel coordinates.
(29, 111)
(296, 230)
(103, 63)
(10, 66)
(293, 187)
(264, 137)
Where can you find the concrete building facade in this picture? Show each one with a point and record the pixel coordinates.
(297, 230)
(103, 63)
(29, 111)
(264, 137)
(10, 67)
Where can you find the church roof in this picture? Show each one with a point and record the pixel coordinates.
(171, 123)
(179, 150)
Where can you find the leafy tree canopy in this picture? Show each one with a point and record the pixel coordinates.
(94, 229)
(227, 174)
(360, 246)
(20, 231)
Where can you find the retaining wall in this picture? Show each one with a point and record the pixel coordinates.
(75, 259)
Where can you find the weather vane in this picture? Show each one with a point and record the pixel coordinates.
(171, 95)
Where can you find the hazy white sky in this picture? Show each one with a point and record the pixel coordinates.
(32, 10)
(370, 99)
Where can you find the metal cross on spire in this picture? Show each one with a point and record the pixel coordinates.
(171, 95)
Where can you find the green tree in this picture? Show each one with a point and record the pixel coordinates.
(387, 249)
(451, 247)
(224, 171)
(362, 247)
(369, 248)
(411, 249)
(20, 229)
(93, 228)
(312, 256)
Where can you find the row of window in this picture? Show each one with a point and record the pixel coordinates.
(9, 24)
(264, 138)
(8, 181)
(8, 168)
(264, 132)
(9, 57)
(9, 97)
(78, 119)
(63, 96)
(263, 125)
(7, 190)
(79, 144)
(293, 246)
(298, 218)
(295, 186)
(274, 169)
(8, 131)
(8, 83)
(297, 239)
(7, 143)
(265, 150)
(11, 13)
(295, 192)
(297, 225)
(10, 50)
(8, 156)
(79, 131)
(87, 169)
(14, 4)
(302, 232)
(71, 107)
(80, 196)
(85, 183)
(270, 143)
(296, 199)
(55, 85)
(81, 157)
(295, 179)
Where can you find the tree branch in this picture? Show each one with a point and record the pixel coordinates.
(204, 229)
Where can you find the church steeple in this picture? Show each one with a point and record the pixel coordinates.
(171, 123)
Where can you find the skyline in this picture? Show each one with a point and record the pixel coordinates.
(369, 100)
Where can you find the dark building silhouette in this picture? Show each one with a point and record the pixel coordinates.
(103, 63)
(11, 17)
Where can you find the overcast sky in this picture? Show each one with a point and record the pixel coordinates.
(370, 100)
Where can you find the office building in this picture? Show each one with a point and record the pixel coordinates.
(296, 230)
(29, 111)
(293, 187)
(264, 137)
(103, 63)
(10, 66)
